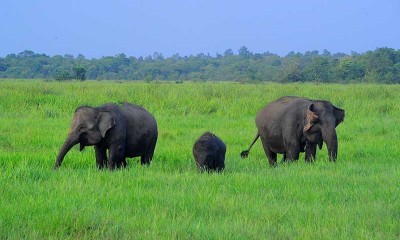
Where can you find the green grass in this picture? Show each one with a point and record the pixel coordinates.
(356, 198)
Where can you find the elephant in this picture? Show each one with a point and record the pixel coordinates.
(126, 130)
(209, 153)
(290, 125)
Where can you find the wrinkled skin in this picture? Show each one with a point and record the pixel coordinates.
(290, 125)
(124, 130)
(209, 153)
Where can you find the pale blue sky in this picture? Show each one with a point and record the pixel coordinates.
(97, 28)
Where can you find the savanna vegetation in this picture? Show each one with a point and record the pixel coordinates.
(379, 66)
(357, 197)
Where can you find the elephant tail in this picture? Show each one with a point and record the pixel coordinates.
(245, 153)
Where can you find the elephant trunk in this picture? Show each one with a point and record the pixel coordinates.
(68, 144)
(330, 138)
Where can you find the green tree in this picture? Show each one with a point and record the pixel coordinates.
(79, 73)
(380, 65)
(228, 53)
(244, 52)
(320, 70)
(62, 75)
(292, 68)
(350, 69)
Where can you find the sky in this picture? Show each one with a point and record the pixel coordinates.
(97, 28)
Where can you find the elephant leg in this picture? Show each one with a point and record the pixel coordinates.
(293, 152)
(121, 163)
(284, 157)
(311, 150)
(116, 156)
(101, 156)
(270, 155)
(221, 163)
(146, 158)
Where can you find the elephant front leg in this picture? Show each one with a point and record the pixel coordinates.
(293, 152)
(101, 156)
(311, 150)
(122, 163)
(116, 157)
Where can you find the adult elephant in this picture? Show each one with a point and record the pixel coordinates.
(290, 125)
(126, 130)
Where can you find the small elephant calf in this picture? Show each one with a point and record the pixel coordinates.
(209, 153)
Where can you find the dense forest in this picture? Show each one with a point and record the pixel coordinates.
(379, 66)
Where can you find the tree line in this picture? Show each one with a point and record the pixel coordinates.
(379, 66)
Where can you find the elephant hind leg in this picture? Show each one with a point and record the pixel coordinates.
(270, 155)
(148, 156)
(284, 157)
(144, 160)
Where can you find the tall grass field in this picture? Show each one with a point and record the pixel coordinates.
(358, 197)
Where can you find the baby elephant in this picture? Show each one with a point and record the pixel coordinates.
(209, 153)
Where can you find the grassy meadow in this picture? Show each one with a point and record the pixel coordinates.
(358, 197)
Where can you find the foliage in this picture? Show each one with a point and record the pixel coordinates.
(80, 73)
(62, 75)
(355, 198)
(379, 66)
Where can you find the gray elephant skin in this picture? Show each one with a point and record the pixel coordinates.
(125, 130)
(209, 153)
(290, 125)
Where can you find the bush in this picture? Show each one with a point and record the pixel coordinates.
(63, 75)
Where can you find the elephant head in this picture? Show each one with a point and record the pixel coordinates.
(88, 127)
(320, 122)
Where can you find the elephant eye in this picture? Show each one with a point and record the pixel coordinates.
(81, 129)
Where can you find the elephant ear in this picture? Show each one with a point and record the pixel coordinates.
(339, 115)
(311, 118)
(105, 122)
